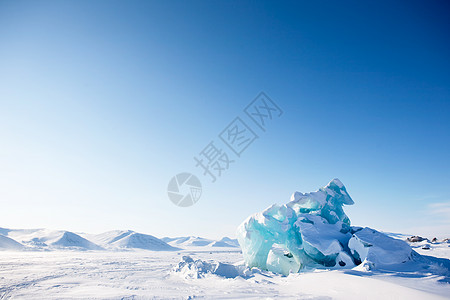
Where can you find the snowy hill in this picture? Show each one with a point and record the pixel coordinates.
(188, 241)
(44, 238)
(7, 243)
(129, 239)
(194, 241)
(220, 244)
(39, 239)
(70, 239)
(231, 242)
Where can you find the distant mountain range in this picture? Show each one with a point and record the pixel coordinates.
(193, 241)
(128, 239)
(44, 239)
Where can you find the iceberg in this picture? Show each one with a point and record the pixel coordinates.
(312, 231)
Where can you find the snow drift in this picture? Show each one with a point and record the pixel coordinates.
(190, 268)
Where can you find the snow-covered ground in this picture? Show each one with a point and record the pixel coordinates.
(143, 274)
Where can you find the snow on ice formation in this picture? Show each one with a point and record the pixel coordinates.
(313, 231)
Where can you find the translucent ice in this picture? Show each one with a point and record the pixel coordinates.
(310, 231)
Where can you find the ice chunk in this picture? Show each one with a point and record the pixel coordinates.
(280, 260)
(190, 268)
(379, 249)
(312, 228)
(326, 202)
(313, 231)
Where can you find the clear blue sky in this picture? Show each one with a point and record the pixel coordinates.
(102, 102)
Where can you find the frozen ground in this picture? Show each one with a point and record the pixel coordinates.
(142, 274)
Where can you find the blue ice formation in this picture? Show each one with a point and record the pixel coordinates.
(313, 231)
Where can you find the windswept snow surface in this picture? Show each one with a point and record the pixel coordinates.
(144, 274)
(439, 248)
